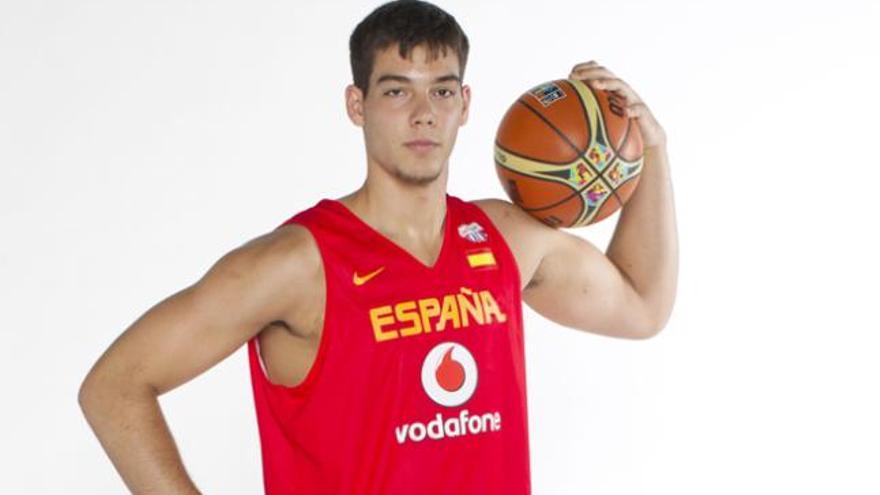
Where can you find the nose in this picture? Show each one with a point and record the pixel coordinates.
(423, 112)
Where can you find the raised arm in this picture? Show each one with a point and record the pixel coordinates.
(180, 338)
(627, 292)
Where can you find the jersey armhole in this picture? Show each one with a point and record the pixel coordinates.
(307, 383)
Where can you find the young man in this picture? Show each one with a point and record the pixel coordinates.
(384, 328)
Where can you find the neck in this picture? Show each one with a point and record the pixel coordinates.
(412, 214)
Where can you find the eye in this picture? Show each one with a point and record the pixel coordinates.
(449, 93)
(394, 90)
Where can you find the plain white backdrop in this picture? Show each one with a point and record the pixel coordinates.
(139, 141)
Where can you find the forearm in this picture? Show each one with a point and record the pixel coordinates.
(132, 430)
(645, 242)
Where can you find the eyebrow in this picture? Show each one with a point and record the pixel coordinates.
(403, 79)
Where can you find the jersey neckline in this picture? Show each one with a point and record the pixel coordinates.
(447, 236)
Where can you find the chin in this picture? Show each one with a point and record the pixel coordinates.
(419, 175)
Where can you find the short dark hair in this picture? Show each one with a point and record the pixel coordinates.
(409, 23)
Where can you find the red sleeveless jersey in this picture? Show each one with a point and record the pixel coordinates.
(419, 383)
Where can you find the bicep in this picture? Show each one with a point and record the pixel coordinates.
(578, 286)
(192, 330)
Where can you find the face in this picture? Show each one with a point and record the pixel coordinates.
(412, 113)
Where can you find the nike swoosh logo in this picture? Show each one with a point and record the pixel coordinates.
(362, 280)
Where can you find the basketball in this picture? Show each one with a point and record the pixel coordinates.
(567, 154)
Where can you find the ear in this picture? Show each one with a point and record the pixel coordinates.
(466, 104)
(354, 104)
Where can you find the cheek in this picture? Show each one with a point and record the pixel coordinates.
(381, 134)
(452, 122)
(383, 119)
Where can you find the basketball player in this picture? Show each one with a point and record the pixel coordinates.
(384, 328)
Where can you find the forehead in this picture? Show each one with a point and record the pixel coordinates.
(418, 63)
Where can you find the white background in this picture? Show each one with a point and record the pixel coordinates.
(139, 141)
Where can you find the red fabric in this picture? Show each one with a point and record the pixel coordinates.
(365, 418)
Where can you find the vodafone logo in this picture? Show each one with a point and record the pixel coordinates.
(449, 374)
(449, 377)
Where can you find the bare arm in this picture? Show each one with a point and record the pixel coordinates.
(627, 292)
(645, 241)
(175, 341)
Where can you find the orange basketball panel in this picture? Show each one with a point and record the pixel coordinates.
(524, 133)
(531, 192)
(562, 215)
(608, 207)
(564, 111)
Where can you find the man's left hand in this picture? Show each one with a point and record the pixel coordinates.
(598, 77)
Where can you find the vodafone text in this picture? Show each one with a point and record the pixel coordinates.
(440, 427)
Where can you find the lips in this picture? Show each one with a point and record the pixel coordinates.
(422, 146)
(421, 143)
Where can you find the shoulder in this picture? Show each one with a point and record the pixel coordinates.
(276, 269)
(512, 221)
(527, 237)
(289, 248)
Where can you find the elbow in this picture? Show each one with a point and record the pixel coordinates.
(644, 328)
(657, 325)
(100, 391)
(649, 332)
(642, 332)
(655, 317)
(89, 393)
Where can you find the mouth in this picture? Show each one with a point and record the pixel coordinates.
(421, 145)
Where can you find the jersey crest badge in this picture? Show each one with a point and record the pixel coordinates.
(473, 232)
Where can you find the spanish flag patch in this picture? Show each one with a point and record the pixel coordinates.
(481, 258)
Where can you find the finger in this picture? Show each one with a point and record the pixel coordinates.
(591, 72)
(616, 86)
(592, 76)
(584, 65)
(637, 110)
